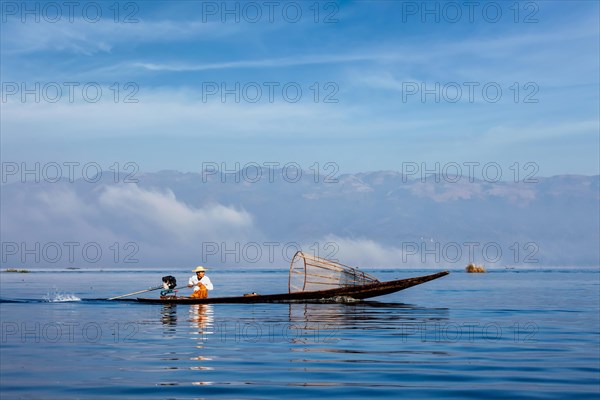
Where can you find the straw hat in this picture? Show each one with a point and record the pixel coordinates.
(199, 269)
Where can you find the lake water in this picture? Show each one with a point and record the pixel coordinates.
(506, 334)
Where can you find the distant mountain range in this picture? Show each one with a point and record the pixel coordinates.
(258, 218)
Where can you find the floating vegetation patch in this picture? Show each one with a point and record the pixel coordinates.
(474, 268)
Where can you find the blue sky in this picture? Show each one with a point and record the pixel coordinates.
(370, 60)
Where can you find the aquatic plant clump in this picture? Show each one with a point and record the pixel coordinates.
(474, 268)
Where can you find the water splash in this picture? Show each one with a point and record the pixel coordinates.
(58, 297)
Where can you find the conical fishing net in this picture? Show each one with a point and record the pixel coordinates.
(310, 273)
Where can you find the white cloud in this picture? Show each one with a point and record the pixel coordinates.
(310, 59)
(174, 112)
(362, 253)
(83, 37)
(161, 213)
(511, 135)
(153, 227)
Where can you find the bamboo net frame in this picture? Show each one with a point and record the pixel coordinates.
(311, 273)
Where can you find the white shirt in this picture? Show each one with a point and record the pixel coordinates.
(205, 281)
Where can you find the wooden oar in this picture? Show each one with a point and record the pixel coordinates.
(131, 294)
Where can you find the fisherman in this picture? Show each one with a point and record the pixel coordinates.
(201, 284)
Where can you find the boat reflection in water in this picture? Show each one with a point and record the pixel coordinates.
(326, 339)
(302, 336)
(300, 323)
(199, 326)
(201, 317)
(333, 322)
(201, 321)
(169, 318)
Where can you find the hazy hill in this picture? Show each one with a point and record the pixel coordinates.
(377, 218)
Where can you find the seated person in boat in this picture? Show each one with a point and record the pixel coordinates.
(201, 284)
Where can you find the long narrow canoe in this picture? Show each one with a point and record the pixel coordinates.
(353, 292)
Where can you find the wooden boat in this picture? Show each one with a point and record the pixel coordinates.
(357, 292)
